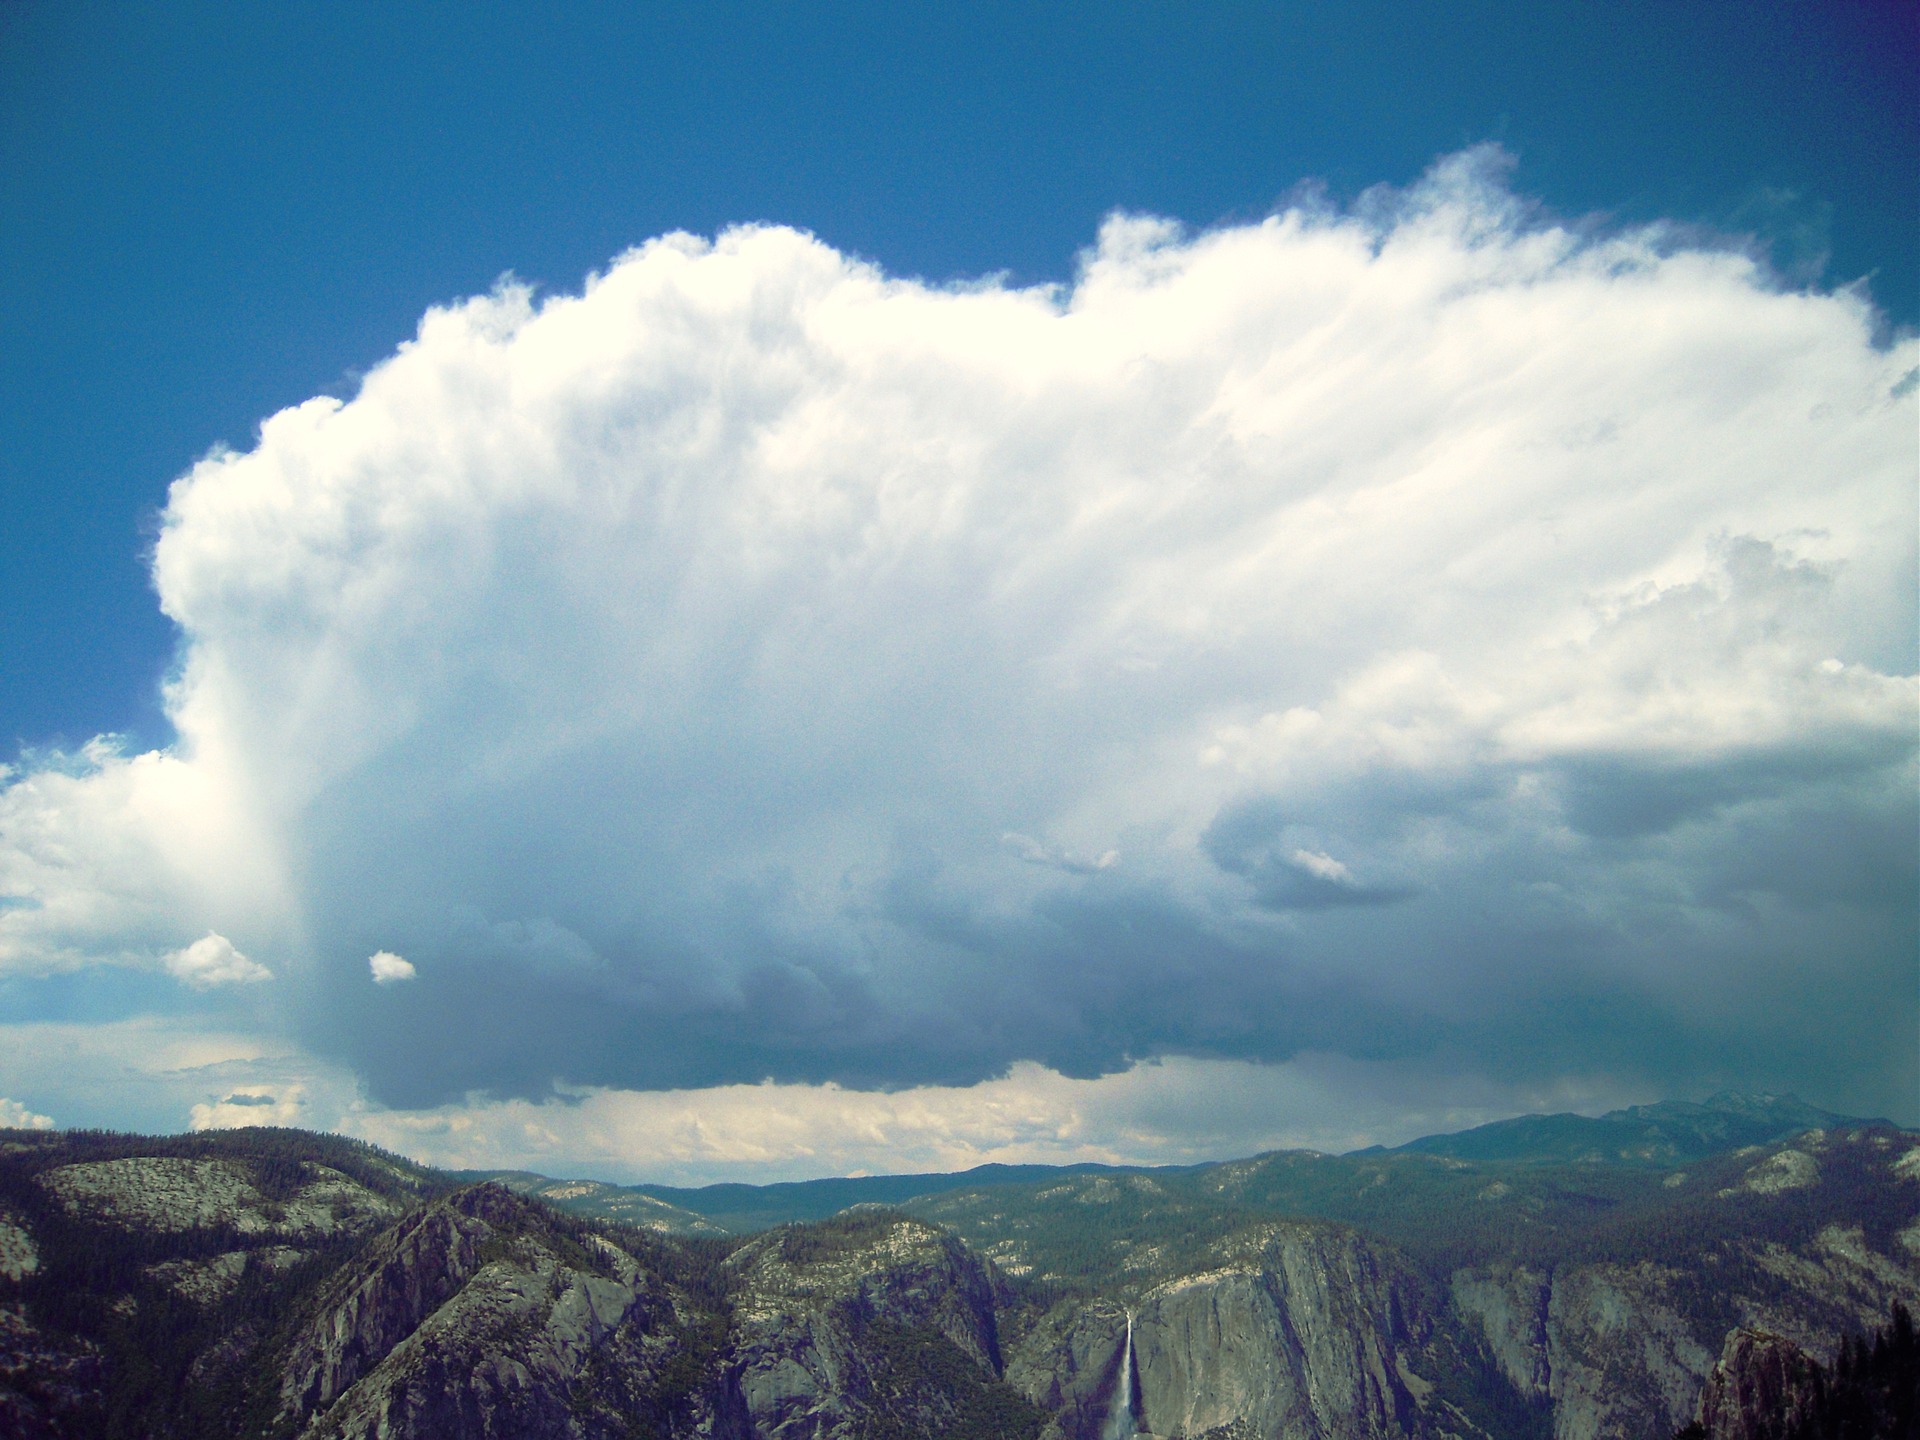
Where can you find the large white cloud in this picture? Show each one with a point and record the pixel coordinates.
(1423, 631)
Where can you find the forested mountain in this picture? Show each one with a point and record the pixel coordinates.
(1653, 1135)
(280, 1284)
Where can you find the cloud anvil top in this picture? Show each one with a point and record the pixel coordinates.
(1427, 639)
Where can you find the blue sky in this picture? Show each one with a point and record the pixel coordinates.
(213, 213)
(217, 210)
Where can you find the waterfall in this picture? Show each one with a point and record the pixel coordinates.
(1121, 1424)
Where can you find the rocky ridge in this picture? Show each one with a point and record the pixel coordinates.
(272, 1284)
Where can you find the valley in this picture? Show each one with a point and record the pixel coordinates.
(1564, 1277)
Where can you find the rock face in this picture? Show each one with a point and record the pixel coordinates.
(477, 1318)
(1620, 1351)
(1295, 1330)
(1606, 1345)
(411, 1274)
(1763, 1387)
(1512, 1307)
(867, 1324)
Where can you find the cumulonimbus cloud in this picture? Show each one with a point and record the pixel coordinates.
(665, 668)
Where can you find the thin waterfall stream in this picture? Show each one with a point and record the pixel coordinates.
(1121, 1423)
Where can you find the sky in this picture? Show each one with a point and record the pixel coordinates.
(744, 592)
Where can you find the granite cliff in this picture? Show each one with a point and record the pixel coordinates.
(282, 1285)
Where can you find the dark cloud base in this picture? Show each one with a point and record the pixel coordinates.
(1796, 927)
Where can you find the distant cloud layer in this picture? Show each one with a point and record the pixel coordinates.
(1168, 1112)
(1426, 635)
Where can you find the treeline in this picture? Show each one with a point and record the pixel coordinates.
(1874, 1389)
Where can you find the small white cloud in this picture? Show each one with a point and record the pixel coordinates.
(211, 960)
(389, 969)
(15, 1116)
(1323, 867)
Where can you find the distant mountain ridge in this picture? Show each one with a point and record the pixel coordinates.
(741, 1209)
(1643, 1136)
(1663, 1134)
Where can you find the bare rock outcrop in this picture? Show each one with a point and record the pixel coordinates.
(168, 1195)
(873, 1316)
(1762, 1388)
(476, 1320)
(506, 1357)
(413, 1271)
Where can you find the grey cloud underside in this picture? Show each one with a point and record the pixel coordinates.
(1798, 931)
(1251, 839)
(1420, 633)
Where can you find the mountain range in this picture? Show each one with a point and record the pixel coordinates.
(1552, 1276)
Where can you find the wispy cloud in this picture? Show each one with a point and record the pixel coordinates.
(1055, 858)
